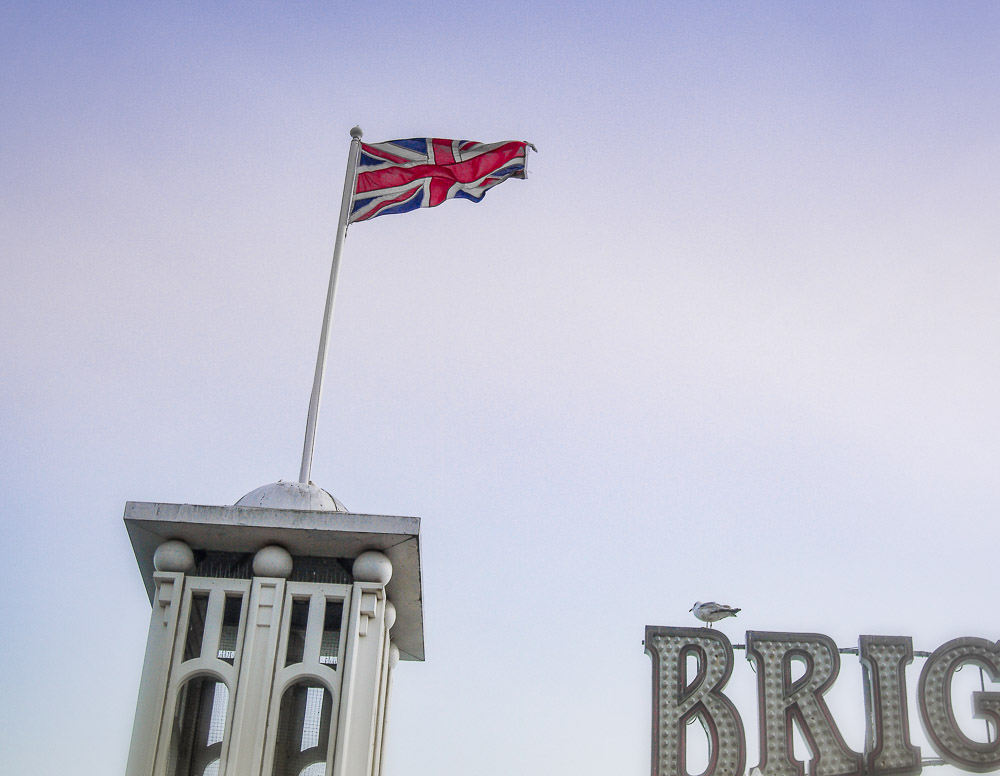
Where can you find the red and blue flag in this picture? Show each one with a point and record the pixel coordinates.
(403, 175)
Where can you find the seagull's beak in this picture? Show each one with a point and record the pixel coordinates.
(691, 609)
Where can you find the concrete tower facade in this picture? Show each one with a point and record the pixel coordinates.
(277, 624)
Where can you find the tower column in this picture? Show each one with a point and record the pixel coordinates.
(260, 646)
(367, 646)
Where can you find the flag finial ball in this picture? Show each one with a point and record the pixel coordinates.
(356, 133)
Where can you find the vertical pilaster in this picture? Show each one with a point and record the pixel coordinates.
(253, 699)
(367, 644)
(387, 707)
(359, 694)
(167, 596)
(383, 695)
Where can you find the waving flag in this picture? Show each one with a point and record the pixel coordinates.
(395, 177)
(403, 175)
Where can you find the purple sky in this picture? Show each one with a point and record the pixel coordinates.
(735, 338)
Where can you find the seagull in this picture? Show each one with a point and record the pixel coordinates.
(710, 612)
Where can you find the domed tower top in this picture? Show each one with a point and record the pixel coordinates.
(292, 495)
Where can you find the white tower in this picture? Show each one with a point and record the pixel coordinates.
(276, 626)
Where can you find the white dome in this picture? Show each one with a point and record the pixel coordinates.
(292, 495)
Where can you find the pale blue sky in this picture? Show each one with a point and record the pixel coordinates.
(736, 337)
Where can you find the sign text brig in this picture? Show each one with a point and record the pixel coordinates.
(781, 700)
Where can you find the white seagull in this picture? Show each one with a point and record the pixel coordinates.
(710, 612)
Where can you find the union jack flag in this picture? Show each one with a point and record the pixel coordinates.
(403, 175)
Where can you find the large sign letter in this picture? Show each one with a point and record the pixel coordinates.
(782, 700)
(887, 727)
(936, 711)
(678, 699)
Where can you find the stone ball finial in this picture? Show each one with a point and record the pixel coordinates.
(173, 555)
(390, 614)
(372, 566)
(356, 133)
(272, 561)
(393, 656)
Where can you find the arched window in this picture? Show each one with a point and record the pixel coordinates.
(198, 729)
(303, 733)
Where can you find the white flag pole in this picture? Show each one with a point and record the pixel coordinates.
(317, 389)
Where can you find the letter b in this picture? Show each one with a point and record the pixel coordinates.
(678, 699)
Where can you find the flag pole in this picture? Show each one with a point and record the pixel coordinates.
(345, 209)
